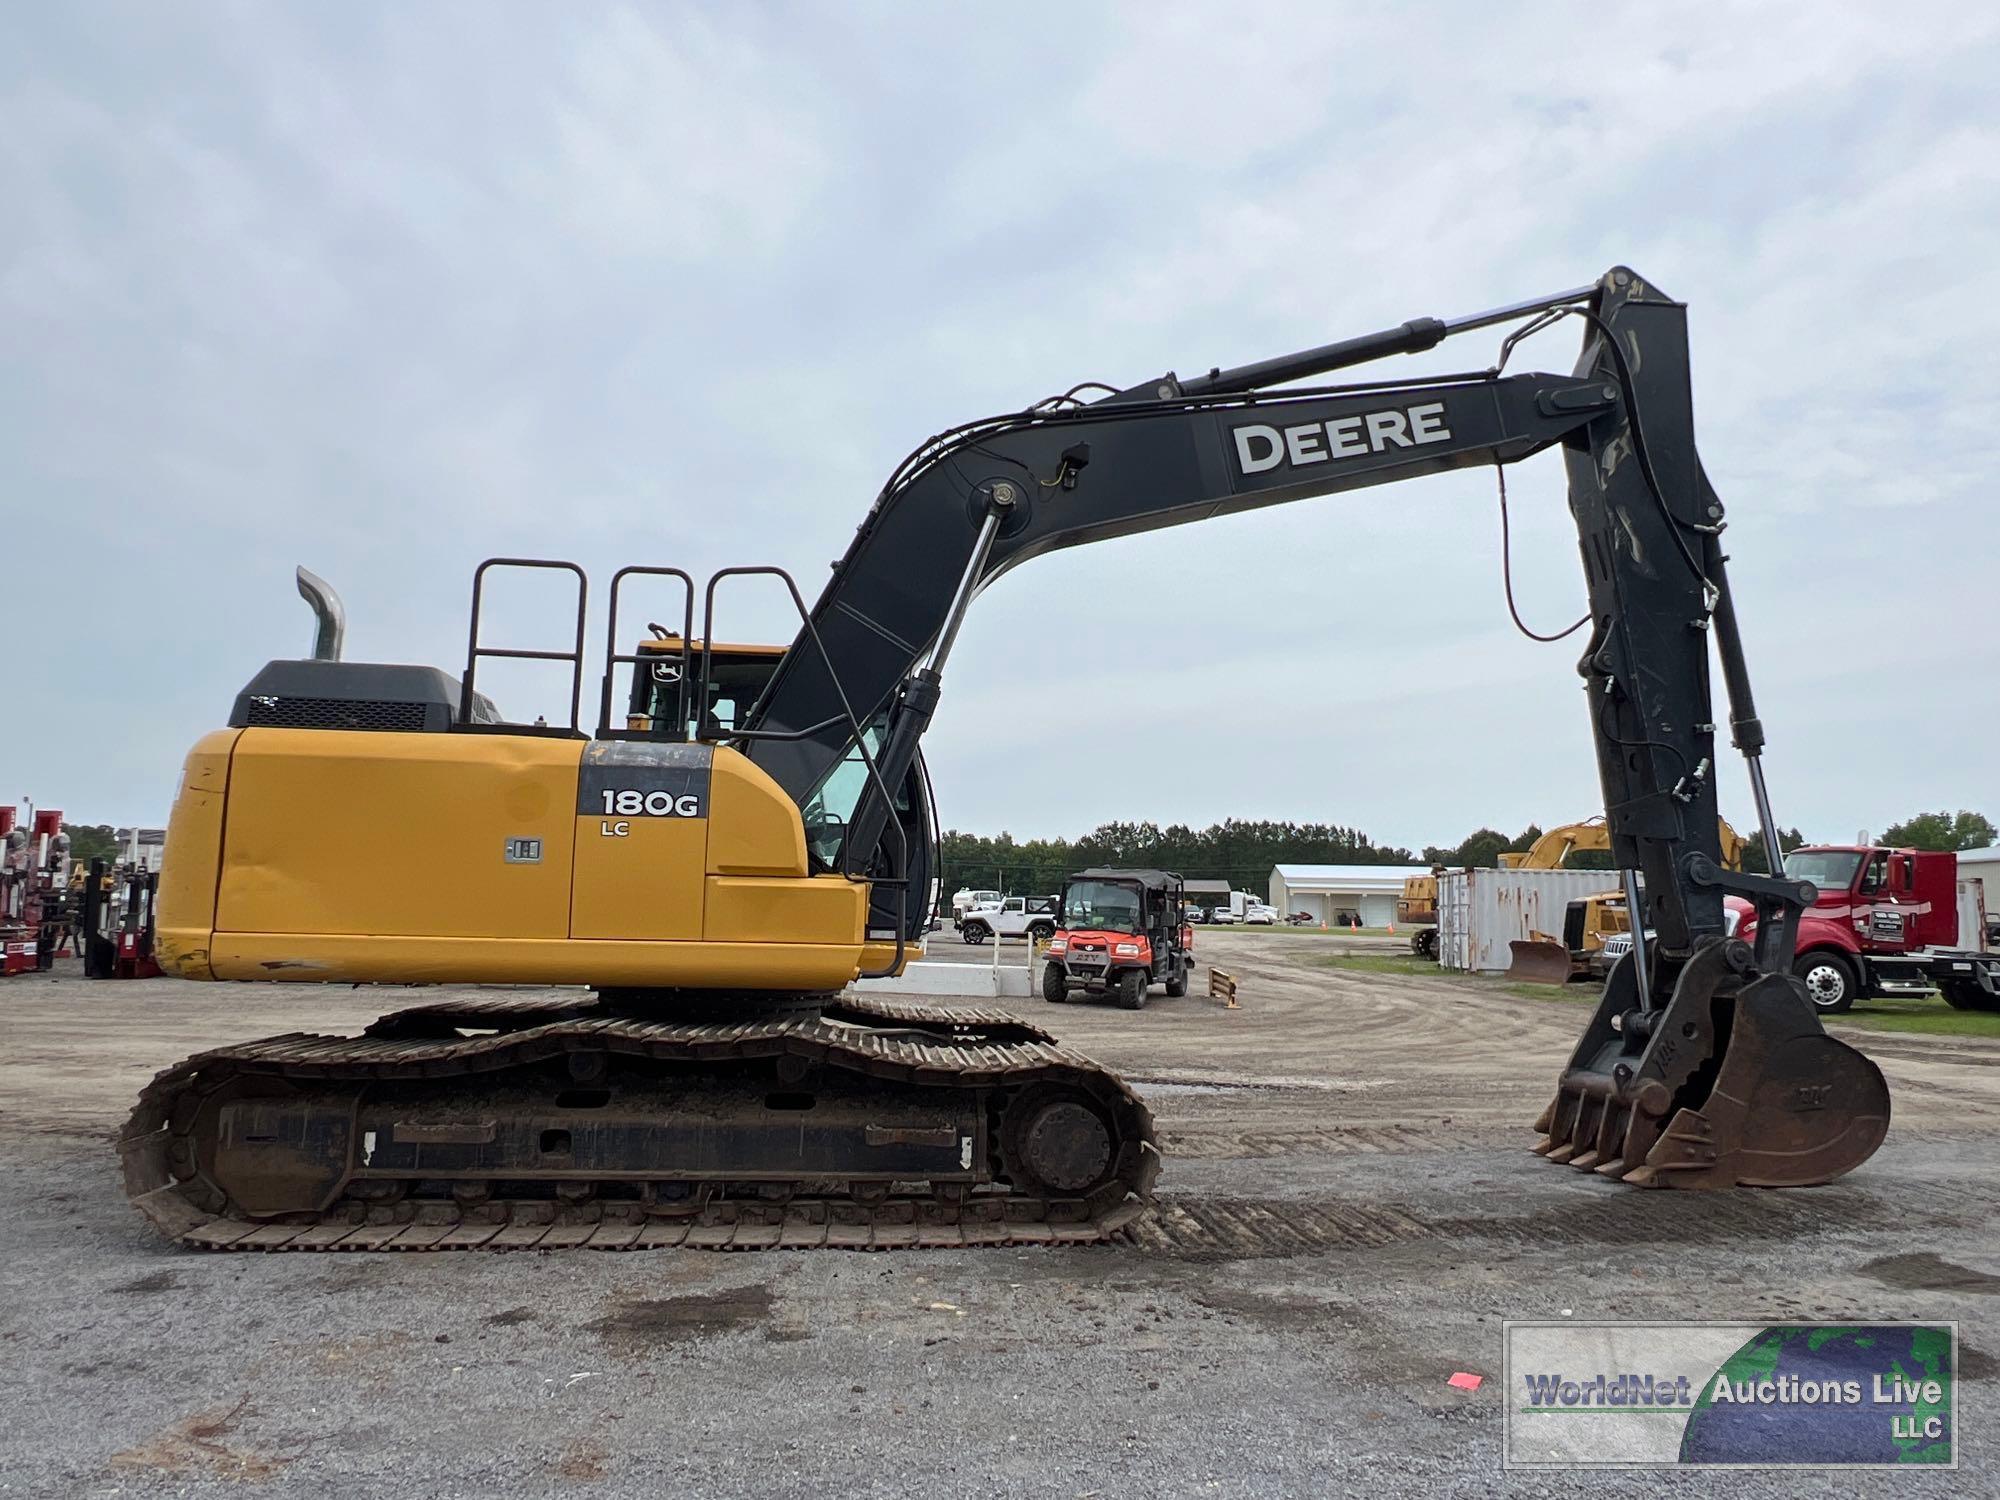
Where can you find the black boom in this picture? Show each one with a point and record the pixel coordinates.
(982, 498)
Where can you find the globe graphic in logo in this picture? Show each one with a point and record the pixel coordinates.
(1829, 1429)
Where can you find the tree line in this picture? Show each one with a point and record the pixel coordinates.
(1238, 851)
(1243, 852)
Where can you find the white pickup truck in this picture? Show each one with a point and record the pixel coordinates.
(1012, 916)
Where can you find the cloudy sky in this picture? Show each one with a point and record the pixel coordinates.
(389, 289)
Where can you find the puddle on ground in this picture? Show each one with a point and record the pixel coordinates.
(665, 1320)
(1926, 1272)
(159, 1281)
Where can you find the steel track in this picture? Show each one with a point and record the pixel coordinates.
(889, 1042)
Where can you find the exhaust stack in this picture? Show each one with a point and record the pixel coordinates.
(331, 632)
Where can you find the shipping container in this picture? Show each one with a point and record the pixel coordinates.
(1480, 912)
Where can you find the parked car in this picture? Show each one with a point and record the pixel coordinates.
(1015, 916)
(1197, 914)
(1261, 916)
(1223, 916)
(1302, 919)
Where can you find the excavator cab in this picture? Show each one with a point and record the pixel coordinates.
(668, 679)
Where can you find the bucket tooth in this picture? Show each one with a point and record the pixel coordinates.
(1615, 1168)
(1543, 1146)
(1586, 1161)
(1563, 1153)
(1562, 1127)
(1611, 1134)
(1584, 1136)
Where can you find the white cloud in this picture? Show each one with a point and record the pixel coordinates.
(389, 291)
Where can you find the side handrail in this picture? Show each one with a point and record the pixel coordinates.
(474, 651)
(614, 658)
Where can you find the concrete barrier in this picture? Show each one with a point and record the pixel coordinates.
(972, 981)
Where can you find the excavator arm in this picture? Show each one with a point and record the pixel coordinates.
(983, 498)
(1703, 1064)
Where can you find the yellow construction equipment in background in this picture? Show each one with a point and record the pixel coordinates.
(1588, 920)
(1417, 909)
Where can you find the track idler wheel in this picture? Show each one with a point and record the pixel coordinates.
(1057, 1142)
(1731, 1082)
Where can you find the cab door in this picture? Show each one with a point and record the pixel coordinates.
(1885, 906)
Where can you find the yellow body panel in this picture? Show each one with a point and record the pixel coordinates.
(754, 827)
(639, 877)
(824, 908)
(403, 835)
(375, 960)
(479, 858)
(186, 899)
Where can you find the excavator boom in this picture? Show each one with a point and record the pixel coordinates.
(718, 889)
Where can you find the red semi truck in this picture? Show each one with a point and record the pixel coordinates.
(1885, 919)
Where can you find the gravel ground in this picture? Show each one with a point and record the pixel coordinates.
(1348, 1213)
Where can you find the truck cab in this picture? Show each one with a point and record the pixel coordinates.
(1121, 932)
(1885, 922)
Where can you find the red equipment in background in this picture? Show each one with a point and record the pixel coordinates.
(34, 889)
(118, 922)
(1885, 921)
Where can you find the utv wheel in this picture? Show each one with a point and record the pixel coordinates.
(1177, 983)
(1055, 983)
(1962, 994)
(975, 932)
(1829, 980)
(1132, 989)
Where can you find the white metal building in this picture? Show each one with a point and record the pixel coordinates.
(1982, 865)
(1324, 890)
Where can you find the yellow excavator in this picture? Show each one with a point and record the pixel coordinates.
(1587, 920)
(694, 883)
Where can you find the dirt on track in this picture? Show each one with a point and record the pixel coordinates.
(1347, 1213)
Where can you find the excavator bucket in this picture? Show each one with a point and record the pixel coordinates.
(1539, 960)
(1732, 1081)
